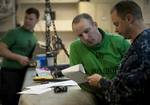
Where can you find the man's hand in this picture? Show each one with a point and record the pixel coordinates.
(94, 79)
(23, 60)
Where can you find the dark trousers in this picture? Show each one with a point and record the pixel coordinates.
(11, 81)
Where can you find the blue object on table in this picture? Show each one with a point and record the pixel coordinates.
(41, 60)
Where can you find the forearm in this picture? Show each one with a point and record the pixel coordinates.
(5, 52)
(9, 55)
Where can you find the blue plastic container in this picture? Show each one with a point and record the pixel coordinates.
(41, 60)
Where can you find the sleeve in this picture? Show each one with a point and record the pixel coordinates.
(74, 57)
(9, 38)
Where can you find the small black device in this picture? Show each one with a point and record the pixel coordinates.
(60, 89)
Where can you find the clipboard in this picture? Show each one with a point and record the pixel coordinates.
(76, 73)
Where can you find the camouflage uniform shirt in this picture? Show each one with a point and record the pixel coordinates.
(131, 84)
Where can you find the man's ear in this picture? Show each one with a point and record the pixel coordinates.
(129, 18)
(37, 21)
(95, 23)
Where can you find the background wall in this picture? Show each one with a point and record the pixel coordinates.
(7, 15)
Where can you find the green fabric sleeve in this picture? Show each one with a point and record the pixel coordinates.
(74, 55)
(8, 38)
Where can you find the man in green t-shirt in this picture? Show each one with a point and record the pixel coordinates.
(99, 52)
(16, 48)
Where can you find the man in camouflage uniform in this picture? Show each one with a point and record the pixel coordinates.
(130, 87)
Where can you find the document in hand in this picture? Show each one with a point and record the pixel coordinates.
(76, 73)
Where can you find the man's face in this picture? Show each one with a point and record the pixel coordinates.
(30, 20)
(122, 27)
(87, 32)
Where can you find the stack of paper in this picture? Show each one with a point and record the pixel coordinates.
(39, 89)
(76, 73)
(35, 91)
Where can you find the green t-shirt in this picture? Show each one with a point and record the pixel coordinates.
(20, 41)
(103, 58)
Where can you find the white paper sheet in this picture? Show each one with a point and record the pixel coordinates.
(35, 91)
(39, 89)
(51, 84)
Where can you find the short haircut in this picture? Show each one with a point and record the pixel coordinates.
(82, 16)
(128, 7)
(33, 11)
